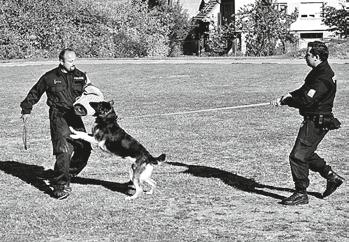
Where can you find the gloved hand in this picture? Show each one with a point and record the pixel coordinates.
(279, 101)
(276, 102)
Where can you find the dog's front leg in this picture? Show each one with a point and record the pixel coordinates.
(82, 135)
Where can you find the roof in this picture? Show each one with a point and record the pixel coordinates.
(206, 10)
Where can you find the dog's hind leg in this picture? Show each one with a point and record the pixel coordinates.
(152, 184)
(138, 188)
(130, 183)
(136, 182)
(146, 177)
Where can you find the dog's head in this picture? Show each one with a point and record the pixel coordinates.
(103, 109)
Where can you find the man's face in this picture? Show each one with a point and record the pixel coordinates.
(310, 58)
(68, 61)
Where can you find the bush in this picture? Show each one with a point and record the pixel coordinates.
(41, 28)
(337, 49)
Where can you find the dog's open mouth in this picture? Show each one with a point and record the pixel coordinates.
(80, 110)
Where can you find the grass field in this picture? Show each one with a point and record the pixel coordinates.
(226, 172)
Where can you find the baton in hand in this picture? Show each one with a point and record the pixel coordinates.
(24, 135)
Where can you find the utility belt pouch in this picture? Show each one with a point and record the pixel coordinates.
(328, 122)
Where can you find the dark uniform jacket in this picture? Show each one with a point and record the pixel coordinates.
(317, 94)
(61, 89)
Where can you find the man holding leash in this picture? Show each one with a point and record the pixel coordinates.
(62, 86)
(314, 99)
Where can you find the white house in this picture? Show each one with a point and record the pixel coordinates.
(308, 26)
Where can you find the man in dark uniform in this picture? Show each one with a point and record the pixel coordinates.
(62, 86)
(314, 99)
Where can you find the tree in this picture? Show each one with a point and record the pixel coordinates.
(123, 28)
(264, 27)
(220, 39)
(177, 21)
(336, 19)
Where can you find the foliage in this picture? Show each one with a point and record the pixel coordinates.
(40, 28)
(264, 28)
(136, 32)
(177, 21)
(220, 39)
(336, 19)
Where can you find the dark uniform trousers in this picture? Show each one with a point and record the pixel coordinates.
(71, 155)
(303, 156)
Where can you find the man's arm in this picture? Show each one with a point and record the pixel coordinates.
(306, 96)
(33, 96)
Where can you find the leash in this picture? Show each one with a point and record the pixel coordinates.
(24, 136)
(25, 139)
(202, 110)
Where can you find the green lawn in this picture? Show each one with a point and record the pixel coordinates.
(227, 169)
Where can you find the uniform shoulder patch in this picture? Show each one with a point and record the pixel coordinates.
(311, 93)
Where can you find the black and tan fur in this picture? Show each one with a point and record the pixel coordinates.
(110, 137)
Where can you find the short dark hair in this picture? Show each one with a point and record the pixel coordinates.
(61, 54)
(319, 48)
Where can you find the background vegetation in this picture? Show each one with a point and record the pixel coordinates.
(40, 28)
(138, 28)
(266, 28)
(336, 19)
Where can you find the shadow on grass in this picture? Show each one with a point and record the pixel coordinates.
(31, 174)
(236, 181)
(36, 175)
(113, 186)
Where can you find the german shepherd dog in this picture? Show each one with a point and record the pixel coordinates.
(110, 137)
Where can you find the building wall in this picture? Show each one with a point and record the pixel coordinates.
(191, 6)
(308, 26)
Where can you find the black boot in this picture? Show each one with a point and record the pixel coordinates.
(61, 191)
(297, 198)
(333, 182)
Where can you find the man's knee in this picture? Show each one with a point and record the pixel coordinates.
(297, 157)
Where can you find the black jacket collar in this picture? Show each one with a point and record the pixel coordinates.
(59, 71)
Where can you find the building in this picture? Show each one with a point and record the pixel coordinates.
(308, 26)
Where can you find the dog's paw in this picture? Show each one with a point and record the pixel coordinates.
(134, 196)
(150, 192)
(72, 130)
(130, 198)
(131, 186)
(74, 136)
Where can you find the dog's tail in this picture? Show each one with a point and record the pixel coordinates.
(160, 158)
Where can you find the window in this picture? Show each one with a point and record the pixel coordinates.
(310, 9)
(281, 6)
(311, 35)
